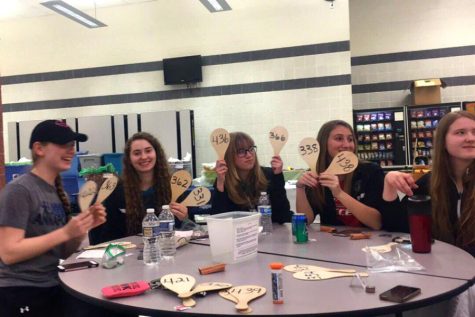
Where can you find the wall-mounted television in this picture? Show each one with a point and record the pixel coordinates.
(182, 70)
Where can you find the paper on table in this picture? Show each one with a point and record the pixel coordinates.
(91, 254)
(184, 234)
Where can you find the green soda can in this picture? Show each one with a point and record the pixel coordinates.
(299, 228)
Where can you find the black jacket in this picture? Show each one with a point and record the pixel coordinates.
(115, 226)
(276, 190)
(366, 186)
(395, 217)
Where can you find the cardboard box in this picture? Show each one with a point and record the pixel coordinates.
(426, 91)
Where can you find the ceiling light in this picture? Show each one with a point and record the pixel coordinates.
(72, 13)
(216, 5)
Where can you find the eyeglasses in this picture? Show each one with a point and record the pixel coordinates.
(243, 152)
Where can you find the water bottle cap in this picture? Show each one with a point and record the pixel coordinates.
(165, 207)
(150, 210)
(263, 193)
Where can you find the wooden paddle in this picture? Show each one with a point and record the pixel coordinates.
(86, 195)
(180, 181)
(278, 136)
(343, 163)
(322, 275)
(219, 139)
(246, 293)
(107, 188)
(309, 150)
(299, 268)
(179, 283)
(198, 197)
(226, 295)
(205, 287)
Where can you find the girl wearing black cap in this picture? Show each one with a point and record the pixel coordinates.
(35, 231)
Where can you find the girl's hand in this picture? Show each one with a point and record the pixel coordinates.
(179, 210)
(309, 179)
(79, 225)
(399, 181)
(277, 165)
(221, 170)
(98, 212)
(332, 182)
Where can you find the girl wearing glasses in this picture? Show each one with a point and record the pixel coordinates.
(240, 180)
(353, 199)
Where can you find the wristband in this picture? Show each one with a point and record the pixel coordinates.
(299, 186)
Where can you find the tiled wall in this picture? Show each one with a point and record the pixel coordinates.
(383, 80)
(298, 87)
(394, 42)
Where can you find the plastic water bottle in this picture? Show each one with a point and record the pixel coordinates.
(265, 209)
(150, 230)
(166, 235)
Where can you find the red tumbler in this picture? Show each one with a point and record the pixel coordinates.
(420, 223)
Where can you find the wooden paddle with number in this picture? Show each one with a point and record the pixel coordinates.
(309, 150)
(198, 197)
(86, 194)
(312, 275)
(226, 295)
(219, 139)
(300, 267)
(180, 181)
(205, 287)
(278, 136)
(180, 284)
(107, 188)
(245, 294)
(343, 163)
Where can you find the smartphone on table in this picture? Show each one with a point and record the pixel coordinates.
(77, 266)
(400, 293)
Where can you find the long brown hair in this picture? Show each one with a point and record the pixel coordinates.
(461, 233)
(135, 210)
(243, 192)
(317, 195)
(58, 184)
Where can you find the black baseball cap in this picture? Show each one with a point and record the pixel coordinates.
(55, 131)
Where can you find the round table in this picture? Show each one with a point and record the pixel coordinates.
(317, 298)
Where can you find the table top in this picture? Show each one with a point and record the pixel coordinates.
(322, 298)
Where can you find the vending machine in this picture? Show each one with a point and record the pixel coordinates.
(422, 122)
(381, 135)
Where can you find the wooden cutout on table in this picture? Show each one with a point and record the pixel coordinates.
(380, 248)
(302, 267)
(343, 163)
(180, 182)
(323, 275)
(309, 150)
(219, 139)
(179, 284)
(86, 195)
(226, 295)
(278, 136)
(205, 287)
(198, 197)
(245, 294)
(107, 188)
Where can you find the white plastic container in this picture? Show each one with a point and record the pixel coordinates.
(233, 236)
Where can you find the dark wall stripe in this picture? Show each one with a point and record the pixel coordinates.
(249, 56)
(405, 84)
(414, 55)
(302, 83)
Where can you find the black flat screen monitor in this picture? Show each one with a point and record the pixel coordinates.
(182, 70)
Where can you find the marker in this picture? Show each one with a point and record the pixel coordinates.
(277, 290)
